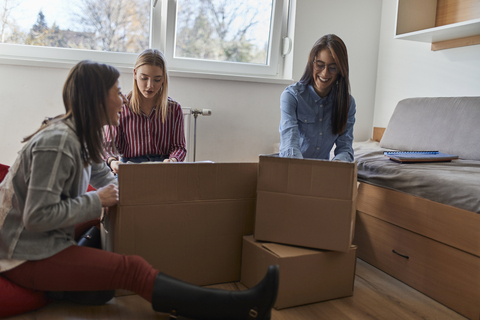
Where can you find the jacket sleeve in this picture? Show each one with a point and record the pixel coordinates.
(48, 204)
(289, 135)
(344, 148)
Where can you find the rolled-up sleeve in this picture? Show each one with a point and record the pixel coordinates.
(344, 149)
(289, 135)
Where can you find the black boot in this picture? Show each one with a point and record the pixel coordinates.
(89, 298)
(183, 299)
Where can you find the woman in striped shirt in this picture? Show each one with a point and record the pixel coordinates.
(151, 123)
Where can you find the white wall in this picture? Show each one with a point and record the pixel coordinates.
(409, 69)
(245, 115)
(244, 120)
(27, 96)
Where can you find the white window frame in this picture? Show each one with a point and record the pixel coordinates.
(274, 64)
(162, 34)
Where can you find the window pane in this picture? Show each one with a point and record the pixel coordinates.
(223, 30)
(107, 25)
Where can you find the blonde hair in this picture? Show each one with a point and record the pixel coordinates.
(151, 57)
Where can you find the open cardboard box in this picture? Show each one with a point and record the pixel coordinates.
(306, 275)
(306, 202)
(186, 219)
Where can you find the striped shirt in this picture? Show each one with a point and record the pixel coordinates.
(138, 135)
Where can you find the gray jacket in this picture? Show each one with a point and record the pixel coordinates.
(44, 195)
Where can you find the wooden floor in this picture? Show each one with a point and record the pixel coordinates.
(376, 296)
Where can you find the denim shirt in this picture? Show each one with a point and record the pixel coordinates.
(306, 125)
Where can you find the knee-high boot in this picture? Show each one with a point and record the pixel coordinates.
(183, 299)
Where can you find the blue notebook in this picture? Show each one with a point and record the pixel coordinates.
(419, 156)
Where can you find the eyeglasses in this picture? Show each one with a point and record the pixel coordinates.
(332, 68)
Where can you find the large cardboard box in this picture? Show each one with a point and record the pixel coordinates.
(306, 275)
(186, 219)
(306, 202)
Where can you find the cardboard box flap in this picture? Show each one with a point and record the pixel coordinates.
(310, 177)
(304, 278)
(156, 183)
(284, 251)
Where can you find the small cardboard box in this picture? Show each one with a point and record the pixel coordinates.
(306, 202)
(306, 275)
(186, 219)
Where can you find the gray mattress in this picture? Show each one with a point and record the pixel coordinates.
(455, 183)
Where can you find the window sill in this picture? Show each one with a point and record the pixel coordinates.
(124, 68)
(51, 63)
(230, 77)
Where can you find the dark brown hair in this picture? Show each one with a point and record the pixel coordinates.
(85, 96)
(341, 88)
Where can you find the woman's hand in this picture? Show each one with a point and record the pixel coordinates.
(114, 166)
(171, 160)
(108, 195)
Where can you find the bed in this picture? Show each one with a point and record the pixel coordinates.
(420, 222)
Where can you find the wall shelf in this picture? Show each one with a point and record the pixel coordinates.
(449, 32)
(418, 20)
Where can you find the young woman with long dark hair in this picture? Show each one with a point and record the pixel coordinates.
(318, 112)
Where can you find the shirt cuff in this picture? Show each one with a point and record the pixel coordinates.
(291, 153)
(343, 157)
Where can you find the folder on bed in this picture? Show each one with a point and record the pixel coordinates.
(419, 156)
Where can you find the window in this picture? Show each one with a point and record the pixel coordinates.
(241, 37)
(115, 26)
(89, 29)
(207, 36)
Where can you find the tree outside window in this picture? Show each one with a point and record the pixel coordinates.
(107, 25)
(223, 30)
(224, 37)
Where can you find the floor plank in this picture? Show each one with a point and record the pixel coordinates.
(376, 296)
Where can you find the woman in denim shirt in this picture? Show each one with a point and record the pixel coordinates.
(318, 111)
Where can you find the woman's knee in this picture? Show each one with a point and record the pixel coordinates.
(137, 262)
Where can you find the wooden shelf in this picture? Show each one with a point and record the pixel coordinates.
(422, 21)
(443, 33)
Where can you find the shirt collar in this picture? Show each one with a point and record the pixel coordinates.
(328, 98)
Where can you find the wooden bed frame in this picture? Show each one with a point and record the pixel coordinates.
(432, 247)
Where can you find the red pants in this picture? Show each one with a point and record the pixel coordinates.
(86, 269)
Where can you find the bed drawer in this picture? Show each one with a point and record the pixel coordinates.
(446, 274)
(446, 224)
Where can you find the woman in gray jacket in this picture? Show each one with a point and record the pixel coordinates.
(44, 196)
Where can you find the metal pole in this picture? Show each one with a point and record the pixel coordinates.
(195, 115)
(196, 112)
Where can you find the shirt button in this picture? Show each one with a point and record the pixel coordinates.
(305, 120)
(320, 133)
(316, 100)
(320, 119)
(318, 148)
(321, 105)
